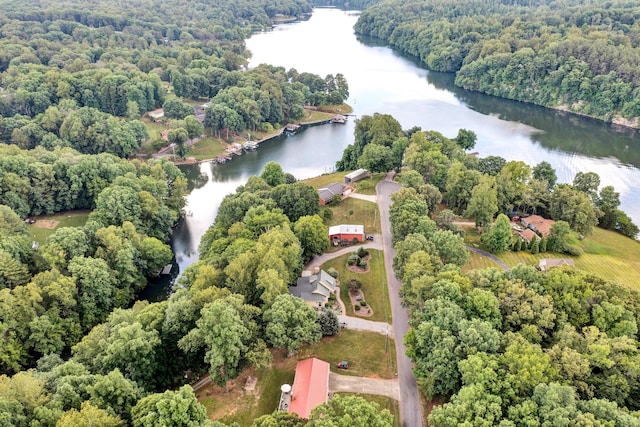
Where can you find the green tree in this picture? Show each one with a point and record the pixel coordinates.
(279, 419)
(349, 410)
(466, 139)
(329, 324)
(498, 238)
(296, 200)
(312, 234)
(559, 234)
(88, 416)
(272, 174)
(376, 158)
(545, 172)
(172, 408)
(290, 322)
(483, 203)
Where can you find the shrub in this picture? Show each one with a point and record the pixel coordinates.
(357, 308)
(351, 261)
(363, 303)
(574, 250)
(543, 244)
(329, 324)
(363, 264)
(354, 285)
(535, 246)
(355, 241)
(328, 213)
(362, 252)
(332, 272)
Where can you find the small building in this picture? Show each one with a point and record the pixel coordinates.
(326, 193)
(356, 175)
(156, 114)
(339, 118)
(310, 386)
(529, 235)
(346, 233)
(538, 224)
(547, 263)
(315, 289)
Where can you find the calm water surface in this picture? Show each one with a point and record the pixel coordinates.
(381, 80)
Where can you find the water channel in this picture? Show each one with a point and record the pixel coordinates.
(381, 80)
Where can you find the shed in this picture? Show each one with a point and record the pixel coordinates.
(346, 232)
(156, 114)
(310, 386)
(356, 175)
(547, 263)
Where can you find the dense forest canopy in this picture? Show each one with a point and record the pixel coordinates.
(579, 56)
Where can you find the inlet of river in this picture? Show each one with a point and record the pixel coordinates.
(381, 80)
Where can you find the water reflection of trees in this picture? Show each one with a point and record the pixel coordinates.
(560, 131)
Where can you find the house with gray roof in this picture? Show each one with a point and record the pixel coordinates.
(315, 289)
(326, 193)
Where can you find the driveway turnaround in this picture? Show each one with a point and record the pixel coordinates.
(347, 384)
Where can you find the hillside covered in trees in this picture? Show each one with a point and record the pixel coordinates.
(578, 56)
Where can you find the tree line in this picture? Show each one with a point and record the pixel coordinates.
(576, 56)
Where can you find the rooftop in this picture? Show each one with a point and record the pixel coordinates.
(346, 229)
(310, 386)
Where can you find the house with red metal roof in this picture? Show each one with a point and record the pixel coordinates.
(310, 386)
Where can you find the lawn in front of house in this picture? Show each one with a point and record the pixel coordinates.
(374, 285)
(354, 211)
(369, 355)
(206, 148)
(46, 225)
(608, 254)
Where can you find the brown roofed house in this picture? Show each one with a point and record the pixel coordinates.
(538, 224)
(529, 235)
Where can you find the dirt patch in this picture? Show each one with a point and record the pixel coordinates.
(49, 224)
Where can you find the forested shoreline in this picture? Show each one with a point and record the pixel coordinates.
(569, 55)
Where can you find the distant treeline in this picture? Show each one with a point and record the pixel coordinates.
(567, 54)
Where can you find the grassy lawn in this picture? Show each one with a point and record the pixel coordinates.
(478, 262)
(374, 285)
(315, 115)
(366, 186)
(384, 403)
(355, 211)
(64, 219)
(365, 352)
(206, 148)
(607, 254)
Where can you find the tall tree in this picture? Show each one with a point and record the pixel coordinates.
(498, 238)
(290, 322)
(349, 410)
(483, 203)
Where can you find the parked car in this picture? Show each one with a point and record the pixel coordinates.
(369, 237)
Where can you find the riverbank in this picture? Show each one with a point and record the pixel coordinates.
(225, 152)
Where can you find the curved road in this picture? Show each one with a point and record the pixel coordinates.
(410, 406)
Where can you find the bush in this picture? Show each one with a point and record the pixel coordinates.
(357, 308)
(543, 244)
(329, 324)
(362, 252)
(363, 303)
(332, 272)
(362, 264)
(574, 250)
(328, 213)
(351, 261)
(355, 241)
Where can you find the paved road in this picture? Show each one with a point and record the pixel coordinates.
(350, 322)
(318, 260)
(490, 256)
(372, 199)
(389, 388)
(410, 407)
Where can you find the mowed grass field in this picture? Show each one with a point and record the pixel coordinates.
(369, 355)
(607, 254)
(354, 211)
(374, 285)
(46, 225)
(206, 148)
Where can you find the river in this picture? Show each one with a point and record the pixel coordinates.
(381, 80)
